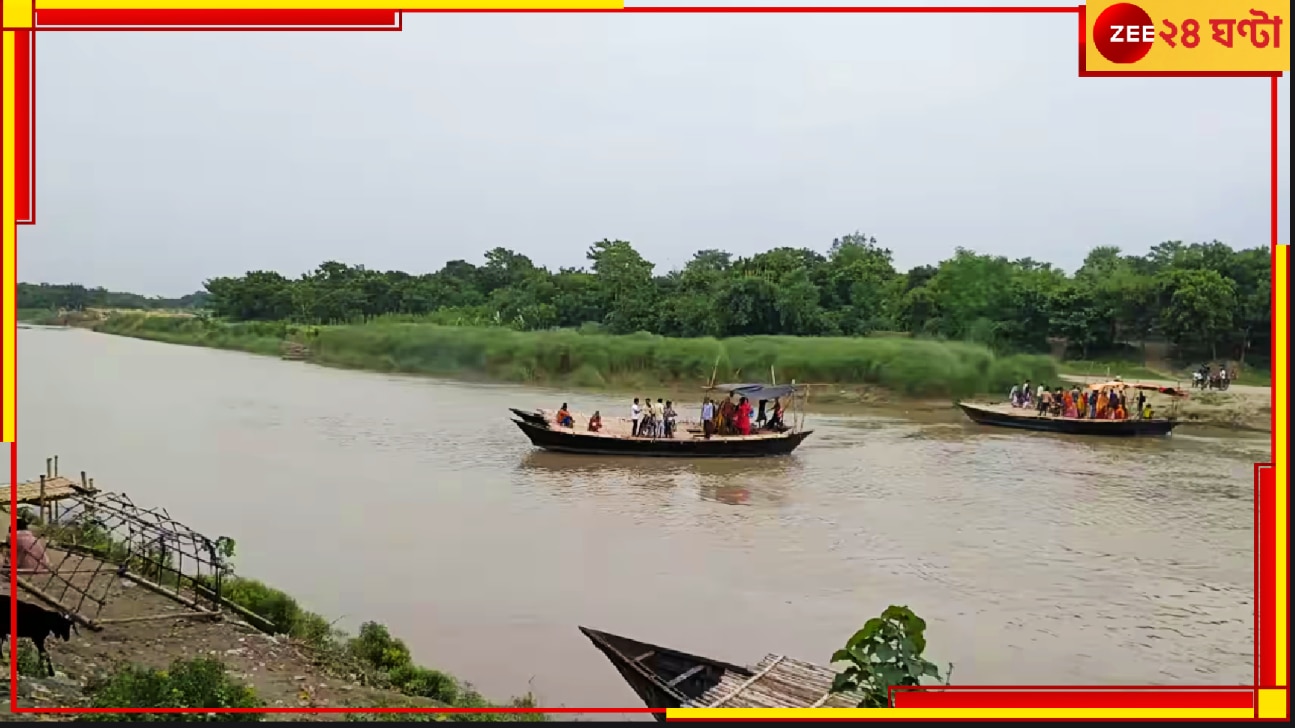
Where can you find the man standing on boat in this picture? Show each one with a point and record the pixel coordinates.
(707, 418)
(635, 413)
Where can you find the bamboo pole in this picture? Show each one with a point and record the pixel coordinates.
(40, 594)
(204, 614)
(257, 620)
(159, 589)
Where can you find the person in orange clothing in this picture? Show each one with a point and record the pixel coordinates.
(596, 422)
(564, 417)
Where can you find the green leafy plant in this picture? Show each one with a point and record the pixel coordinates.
(29, 664)
(886, 652)
(200, 683)
(375, 645)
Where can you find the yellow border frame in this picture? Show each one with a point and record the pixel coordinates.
(1273, 703)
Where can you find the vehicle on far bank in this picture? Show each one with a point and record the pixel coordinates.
(734, 429)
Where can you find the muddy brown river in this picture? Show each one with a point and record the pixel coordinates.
(1034, 558)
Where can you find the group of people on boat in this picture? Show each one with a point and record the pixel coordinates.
(652, 419)
(729, 418)
(1108, 402)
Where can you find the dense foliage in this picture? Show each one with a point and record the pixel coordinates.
(1207, 299)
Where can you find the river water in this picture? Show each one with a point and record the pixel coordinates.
(414, 502)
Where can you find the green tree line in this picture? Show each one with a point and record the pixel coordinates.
(76, 297)
(1207, 299)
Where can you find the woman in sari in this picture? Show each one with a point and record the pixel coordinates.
(1068, 408)
(1103, 400)
(744, 417)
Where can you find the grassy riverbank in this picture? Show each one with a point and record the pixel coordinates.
(904, 366)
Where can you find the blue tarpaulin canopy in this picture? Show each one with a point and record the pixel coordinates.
(756, 392)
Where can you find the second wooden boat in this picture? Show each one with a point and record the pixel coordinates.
(1022, 419)
(666, 678)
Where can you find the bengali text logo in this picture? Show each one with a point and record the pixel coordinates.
(1187, 36)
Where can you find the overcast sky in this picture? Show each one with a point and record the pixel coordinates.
(165, 159)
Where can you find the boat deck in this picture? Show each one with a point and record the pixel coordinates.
(777, 682)
(621, 427)
(1030, 413)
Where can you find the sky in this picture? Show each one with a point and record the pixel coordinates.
(165, 159)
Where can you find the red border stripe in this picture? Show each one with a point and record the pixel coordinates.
(24, 192)
(1266, 599)
(148, 18)
(1121, 699)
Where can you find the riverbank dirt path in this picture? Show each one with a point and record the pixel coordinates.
(282, 672)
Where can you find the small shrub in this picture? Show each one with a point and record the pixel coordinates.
(426, 683)
(375, 646)
(275, 606)
(886, 652)
(197, 683)
(29, 664)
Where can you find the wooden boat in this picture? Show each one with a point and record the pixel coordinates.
(1023, 419)
(666, 678)
(616, 438)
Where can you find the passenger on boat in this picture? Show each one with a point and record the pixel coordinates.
(1057, 407)
(707, 418)
(647, 427)
(775, 423)
(1142, 402)
(636, 414)
(1068, 408)
(1146, 411)
(727, 412)
(1026, 389)
(670, 417)
(1045, 400)
(564, 417)
(1119, 413)
(744, 416)
(1103, 400)
(596, 422)
(1092, 405)
(1014, 397)
(658, 411)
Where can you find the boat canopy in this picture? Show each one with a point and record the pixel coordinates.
(1117, 384)
(757, 392)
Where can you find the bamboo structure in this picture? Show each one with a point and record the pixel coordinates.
(96, 541)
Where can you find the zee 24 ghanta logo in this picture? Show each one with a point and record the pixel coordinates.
(1125, 33)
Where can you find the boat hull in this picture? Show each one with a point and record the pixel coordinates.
(666, 678)
(563, 440)
(1067, 425)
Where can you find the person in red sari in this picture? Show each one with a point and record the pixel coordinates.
(744, 417)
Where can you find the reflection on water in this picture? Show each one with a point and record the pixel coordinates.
(731, 481)
(1035, 558)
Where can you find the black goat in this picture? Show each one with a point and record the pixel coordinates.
(37, 624)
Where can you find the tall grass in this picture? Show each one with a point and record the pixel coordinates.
(911, 367)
